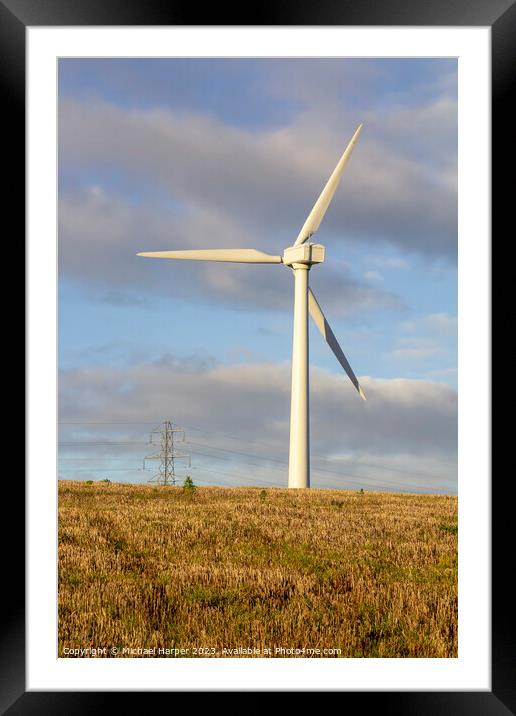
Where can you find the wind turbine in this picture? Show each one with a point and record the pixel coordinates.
(300, 257)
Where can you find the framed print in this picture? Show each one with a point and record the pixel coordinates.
(160, 470)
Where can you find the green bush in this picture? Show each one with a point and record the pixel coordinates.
(188, 486)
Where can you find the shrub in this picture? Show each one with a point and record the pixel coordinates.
(188, 486)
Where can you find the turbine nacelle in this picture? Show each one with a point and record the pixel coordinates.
(307, 254)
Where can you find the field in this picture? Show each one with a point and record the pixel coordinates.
(144, 571)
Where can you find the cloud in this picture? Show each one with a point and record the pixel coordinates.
(373, 276)
(392, 472)
(442, 323)
(398, 188)
(414, 419)
(415, 349)
(400, 415)
(442, 372)
(100, 235)
(385, 262)
(426, 346)
(323, 84)
(430, 327)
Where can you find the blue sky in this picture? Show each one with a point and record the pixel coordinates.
(168, 153)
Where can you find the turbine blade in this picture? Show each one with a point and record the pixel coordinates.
(317, 214)
(241, 256)
(328, 335)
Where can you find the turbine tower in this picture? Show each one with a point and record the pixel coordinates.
(300, 257)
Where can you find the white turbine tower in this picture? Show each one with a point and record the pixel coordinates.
(299, 257)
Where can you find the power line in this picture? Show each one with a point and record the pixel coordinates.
(237, 452)
(100, 444)
(102, 422)
(111, 459)
(398, 470)
(234, 474)
(358, 480)
(105, 469)
(352, 478)
(316, 457)
(357, 463)
(284, 462)
(254, 478)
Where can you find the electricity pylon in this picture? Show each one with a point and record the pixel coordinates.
(167, 455)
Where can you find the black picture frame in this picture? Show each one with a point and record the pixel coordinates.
(500, 16)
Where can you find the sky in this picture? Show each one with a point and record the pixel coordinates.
(158, 154)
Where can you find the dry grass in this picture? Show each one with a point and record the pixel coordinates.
(373, 574)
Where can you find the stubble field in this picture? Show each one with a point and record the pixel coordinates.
(224, 571)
